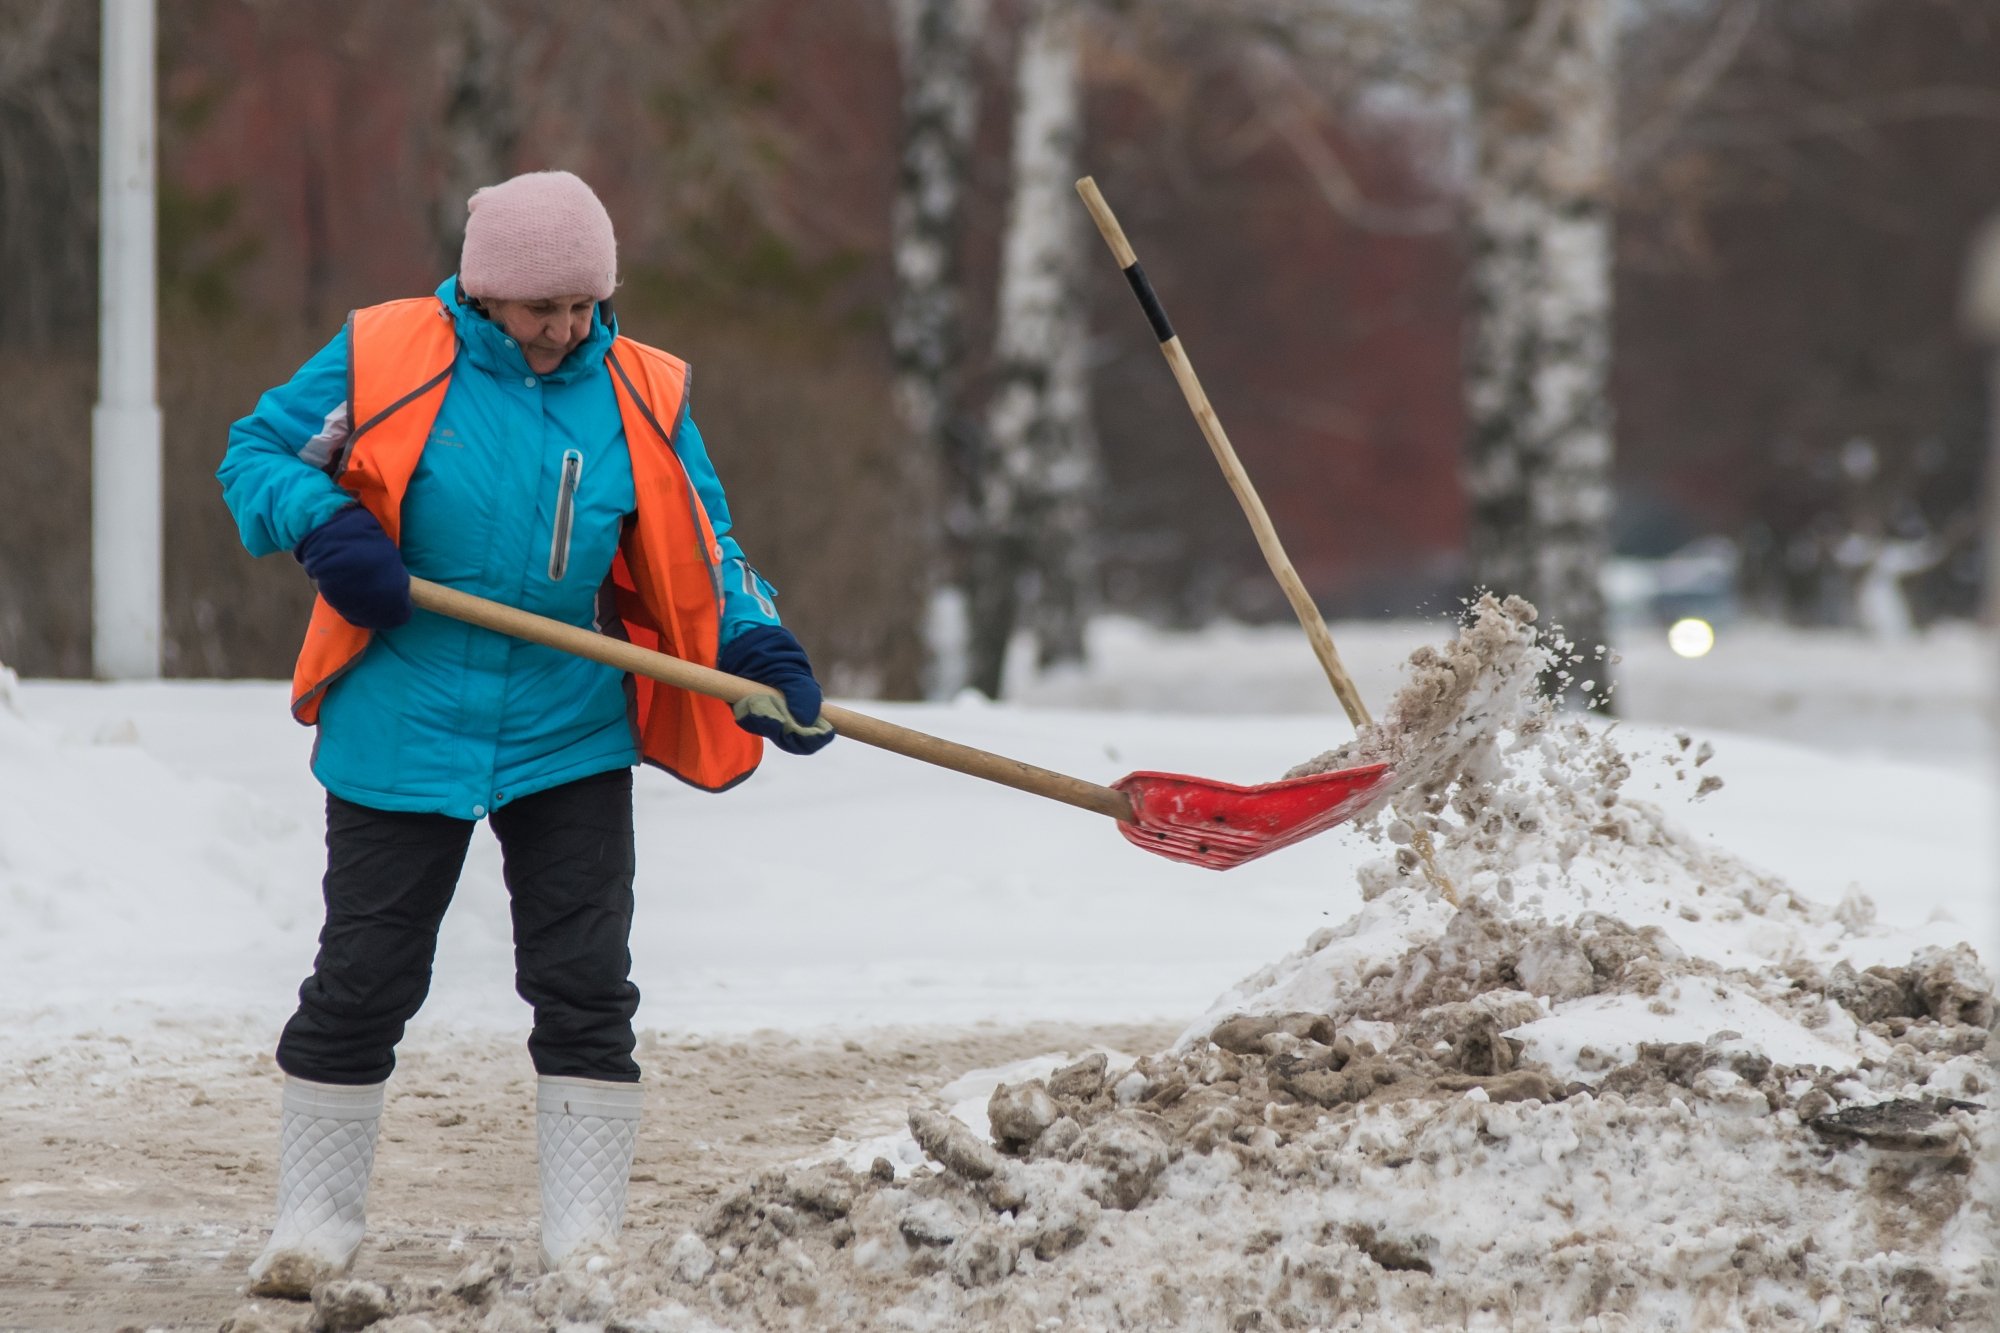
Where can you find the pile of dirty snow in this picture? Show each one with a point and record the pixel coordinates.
(1628, 1082)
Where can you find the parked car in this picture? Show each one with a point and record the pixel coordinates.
(1695, 581)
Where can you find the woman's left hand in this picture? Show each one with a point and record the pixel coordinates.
(770, 655)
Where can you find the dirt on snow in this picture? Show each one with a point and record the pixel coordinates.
(136, 1183)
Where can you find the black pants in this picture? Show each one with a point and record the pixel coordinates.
(568, 861)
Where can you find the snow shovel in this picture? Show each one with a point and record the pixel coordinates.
(1190, 819)
(1246, 494)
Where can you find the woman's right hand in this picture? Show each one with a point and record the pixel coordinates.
(357, 569)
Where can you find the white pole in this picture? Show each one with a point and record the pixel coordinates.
(125, 426)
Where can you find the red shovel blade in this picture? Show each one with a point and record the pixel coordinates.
(1220, 825)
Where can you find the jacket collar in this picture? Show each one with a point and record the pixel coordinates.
(488, 347)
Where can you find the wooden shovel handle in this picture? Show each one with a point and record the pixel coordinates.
(1225, 454)
(1246, 495)
(669, 670)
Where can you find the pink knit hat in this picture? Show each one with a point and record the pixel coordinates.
(538, 235)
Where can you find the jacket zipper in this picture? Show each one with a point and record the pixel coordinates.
(572, 473)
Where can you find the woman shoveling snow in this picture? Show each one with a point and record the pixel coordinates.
(503, 437)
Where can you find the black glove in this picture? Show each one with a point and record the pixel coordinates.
(357, 569)
(769, 655)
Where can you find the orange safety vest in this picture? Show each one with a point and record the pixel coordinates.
(665, 580)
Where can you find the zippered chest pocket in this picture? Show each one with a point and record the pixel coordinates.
(572, 475)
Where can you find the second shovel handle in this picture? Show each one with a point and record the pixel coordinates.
(682, 674)
(1225, 454)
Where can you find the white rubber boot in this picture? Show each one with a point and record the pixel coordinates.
(326, 1150)
(586, 1130)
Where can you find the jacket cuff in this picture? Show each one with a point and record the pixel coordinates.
(301, 523)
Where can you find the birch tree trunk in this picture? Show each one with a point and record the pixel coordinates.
(1039, 459)
(937, 40)
(48, 170)
(1538, 467)
(481, 121)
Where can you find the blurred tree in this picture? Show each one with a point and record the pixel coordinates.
(1037, 467)
(1307, 257)
(1527, 88)
(1796, 183)
(1980, 310)
(486, 55)
(48, 270)
(937, 41)
(48, 170)
(1542, 78)
(1792, 243)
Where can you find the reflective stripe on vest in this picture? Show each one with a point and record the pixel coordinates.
(665, 580)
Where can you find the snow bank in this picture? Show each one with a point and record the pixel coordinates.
(105, 851)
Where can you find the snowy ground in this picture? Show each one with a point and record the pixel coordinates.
(159, 855)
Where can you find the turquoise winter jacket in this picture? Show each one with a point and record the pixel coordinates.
(520, 496)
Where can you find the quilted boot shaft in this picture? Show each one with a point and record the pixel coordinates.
(586, 1130)
(326, 1150)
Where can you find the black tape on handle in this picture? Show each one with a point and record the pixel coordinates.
(1156, 315)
